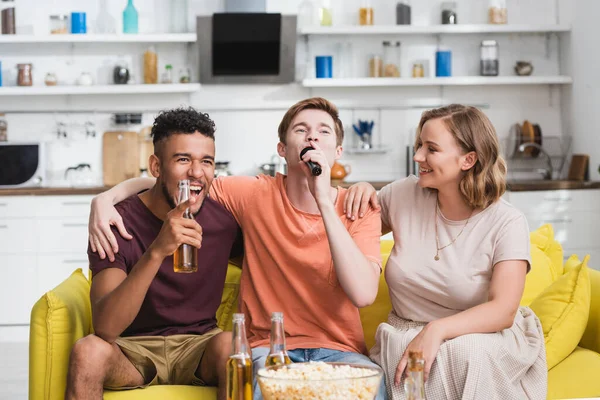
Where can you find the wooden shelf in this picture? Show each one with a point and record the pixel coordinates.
(450, 81)
(92, 38)
(431, 29)
(98, 89)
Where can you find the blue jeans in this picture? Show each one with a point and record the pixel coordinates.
(259, 356)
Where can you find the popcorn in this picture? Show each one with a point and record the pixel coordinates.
(319, 381)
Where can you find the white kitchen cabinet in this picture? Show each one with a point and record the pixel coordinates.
(67, 235)
(574, 215)
(55, 268)
(19, 288)
(43, 239)
(17, 236)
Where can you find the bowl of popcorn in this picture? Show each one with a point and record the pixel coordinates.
(319, 381)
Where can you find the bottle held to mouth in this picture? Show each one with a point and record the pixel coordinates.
(185, 259)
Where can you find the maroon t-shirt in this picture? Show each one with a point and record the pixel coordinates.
(175, 303)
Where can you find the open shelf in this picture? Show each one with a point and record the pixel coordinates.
(431, 29)
(450, 81)
(373, 150)
(98, 89)
(92, 38)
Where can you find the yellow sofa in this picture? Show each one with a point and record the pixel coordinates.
(63, 315)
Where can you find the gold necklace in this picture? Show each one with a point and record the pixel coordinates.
(437, 239)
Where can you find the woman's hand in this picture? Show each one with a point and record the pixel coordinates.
(102, 215)
(359, 196)
(427, 341)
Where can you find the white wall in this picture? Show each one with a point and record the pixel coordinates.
(247, 116)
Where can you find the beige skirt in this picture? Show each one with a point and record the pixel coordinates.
(510, 364)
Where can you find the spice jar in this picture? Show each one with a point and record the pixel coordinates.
(184, 75)
(375, 66)
(449, 16)
(50, 79)
(403, 12)
(365, 13)
(391, 59)
(324, 11)
(418, 71)
(167, 76)
(24, 76)
(59, 24)
(489, 58)
(8, 17)
(497, 13)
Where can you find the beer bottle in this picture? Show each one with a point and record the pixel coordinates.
(413, 383)
(277, 355)
(239, 365)
(185, 259)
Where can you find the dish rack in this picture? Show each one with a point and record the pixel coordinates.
(525, 160)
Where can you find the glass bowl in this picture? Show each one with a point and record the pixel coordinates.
(319, 381)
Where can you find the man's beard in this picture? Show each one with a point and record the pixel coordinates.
(169, 199)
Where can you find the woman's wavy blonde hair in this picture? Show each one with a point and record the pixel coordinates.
(485, 182)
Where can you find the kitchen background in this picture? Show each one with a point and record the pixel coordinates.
(247, 115)
(43, 237)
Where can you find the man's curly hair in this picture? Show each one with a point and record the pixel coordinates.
(181, 120)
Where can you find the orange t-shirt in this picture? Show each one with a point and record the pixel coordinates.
(288, 265)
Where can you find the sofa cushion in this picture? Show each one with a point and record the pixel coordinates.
(543, 238)
(229, 300)
(377, 312)
(576, 376)
(164, 392)
(563, 309)
(540, 276)
(58, 320)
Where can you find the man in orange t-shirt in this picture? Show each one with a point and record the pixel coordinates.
(303, 256)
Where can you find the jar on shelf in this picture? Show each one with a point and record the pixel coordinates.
(375, 66)
(7, 13)
(185, 75)
(24, 75)
(497, 12)
(489, 58)
(50, 79)
(449, 16)
(365, 13)
(391, 59)
(403, 11)
(59, 24)
(324, 12)
(418, 71)
(167, 76)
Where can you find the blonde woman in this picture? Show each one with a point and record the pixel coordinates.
(457, 270)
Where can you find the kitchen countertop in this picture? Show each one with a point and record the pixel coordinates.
(513, 186)
(52, 191)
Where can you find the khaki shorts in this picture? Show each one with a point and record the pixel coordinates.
(166, 360)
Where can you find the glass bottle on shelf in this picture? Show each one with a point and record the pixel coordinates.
(277, 353)
(130, 18)
(489, 58)
(403, 11)
(239, 365)
(449, 16)
(168, 74)
(105, 23)
(178, 10)
(325, 14)
(391, 59)
(150, 66)
(365, 13)
(375, 66)
(413, 383)
(497, 12)
(307, 14)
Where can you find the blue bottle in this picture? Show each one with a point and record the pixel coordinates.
(443, 63)
(130, 18)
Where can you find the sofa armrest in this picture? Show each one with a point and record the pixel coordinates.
(58, 320)
(591, 336)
